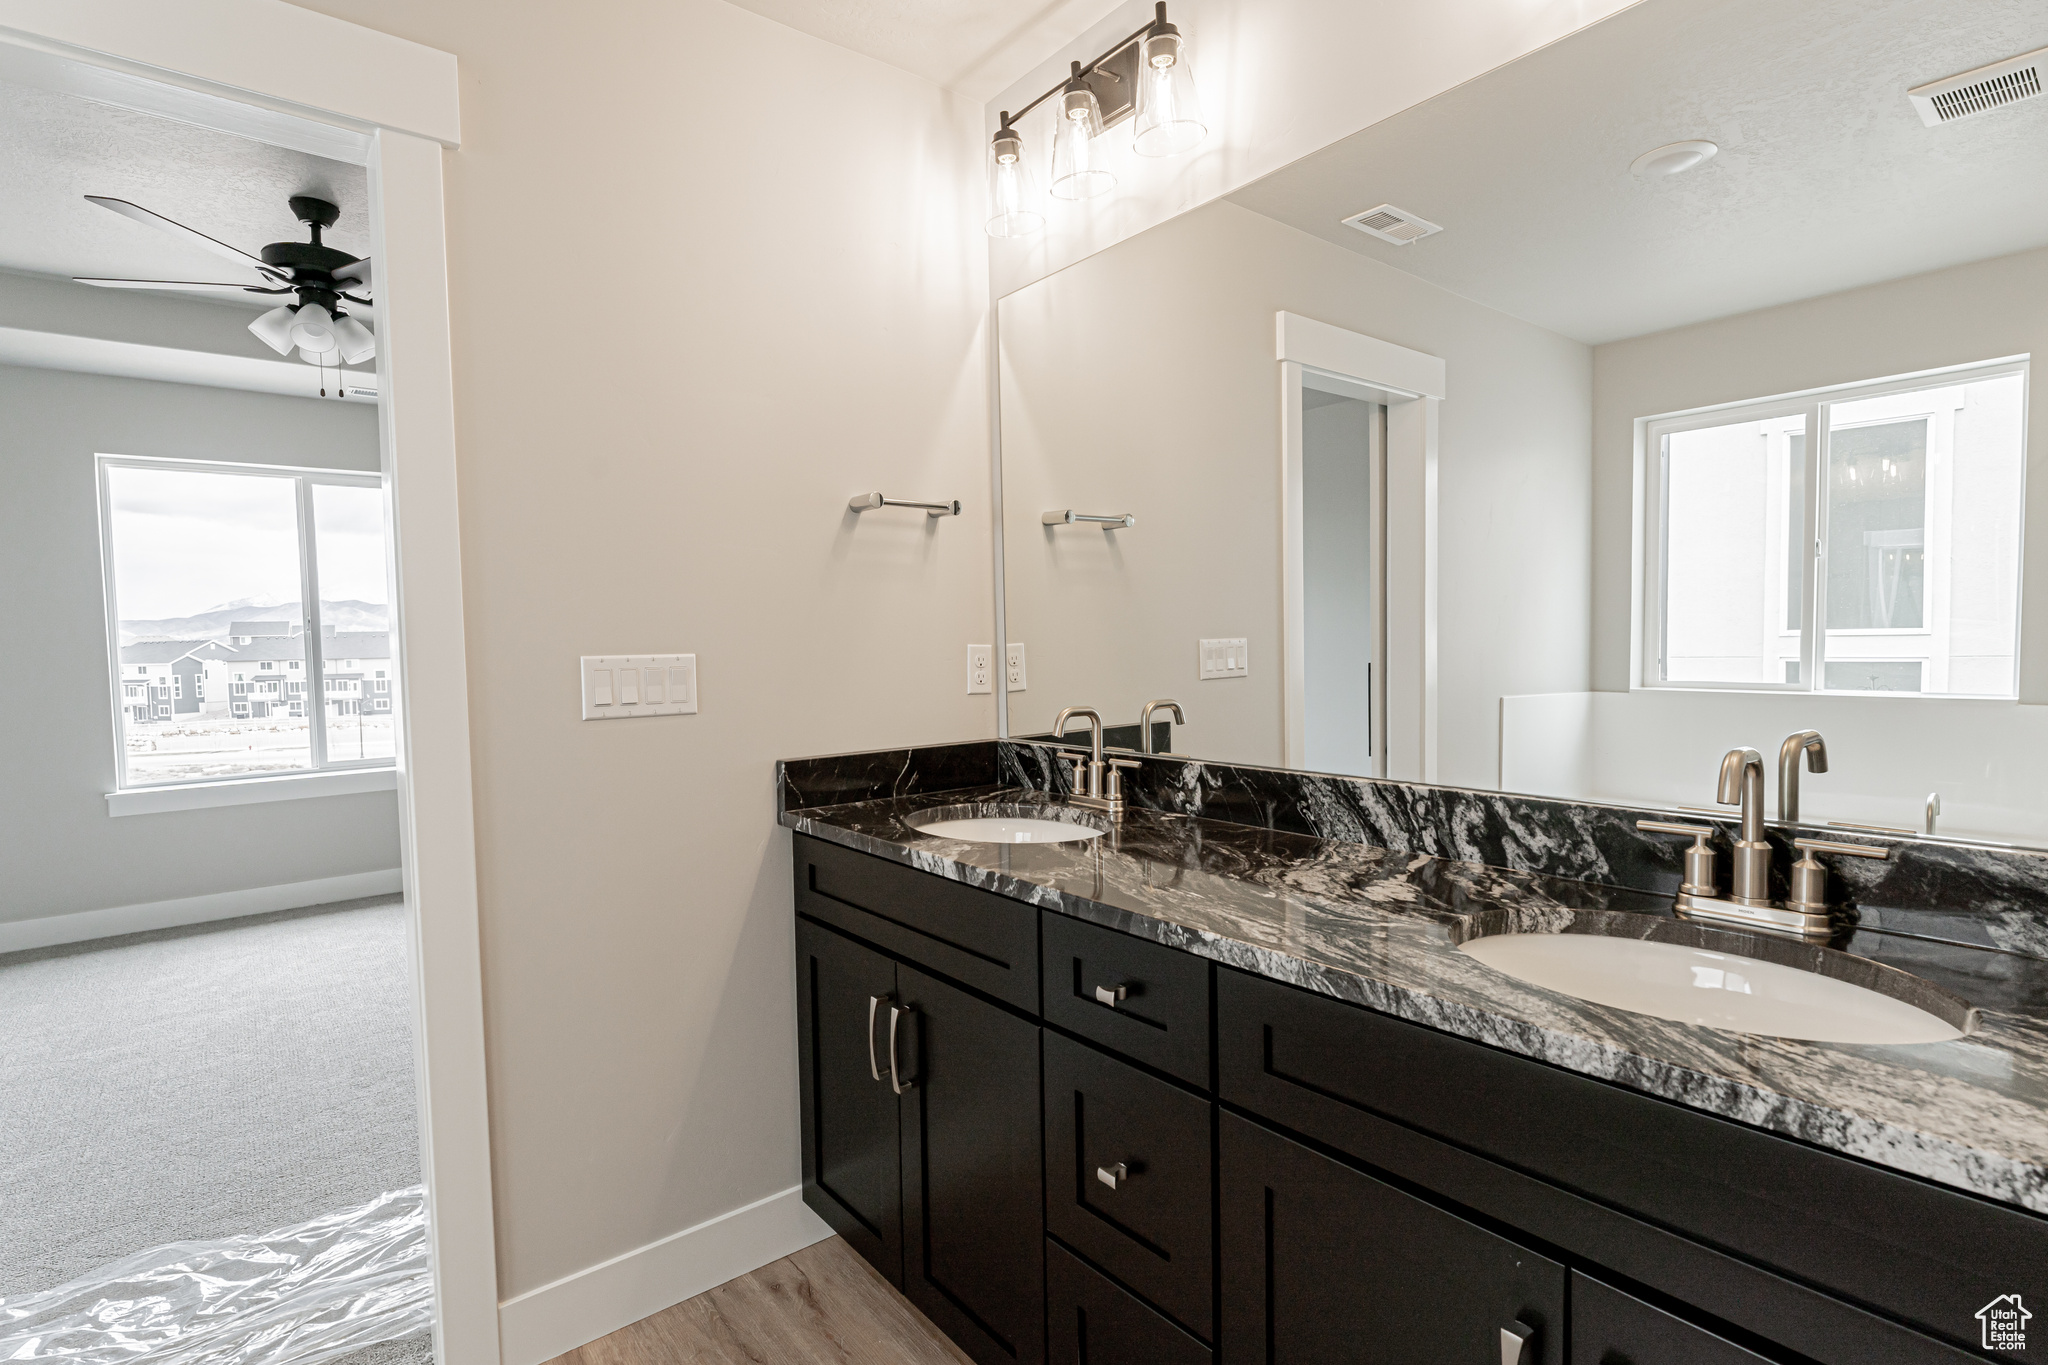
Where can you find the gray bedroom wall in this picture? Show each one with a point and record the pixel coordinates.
(60, 852)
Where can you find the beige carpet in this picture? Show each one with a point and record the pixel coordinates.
(197, 1083)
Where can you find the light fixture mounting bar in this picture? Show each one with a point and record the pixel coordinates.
(1113, 76)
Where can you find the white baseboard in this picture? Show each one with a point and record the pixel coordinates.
(134, 919)
(546, 1322)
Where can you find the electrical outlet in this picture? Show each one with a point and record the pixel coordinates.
(1226, 659)
(980, 664)
(1013, 666)
(618, 686)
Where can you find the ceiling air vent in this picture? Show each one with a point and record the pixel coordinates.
(1980, 91)
(1390, 224)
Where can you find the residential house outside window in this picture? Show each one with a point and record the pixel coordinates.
(1863, 539)
(223, 582)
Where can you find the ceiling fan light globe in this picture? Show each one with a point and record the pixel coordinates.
(355, 341)
(274, 329)
(313, 328)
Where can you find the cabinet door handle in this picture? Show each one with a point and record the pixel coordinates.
(1112, 1176)
(895, 1072)
(874, 1067)
(1111, 996)
(1518, 1344)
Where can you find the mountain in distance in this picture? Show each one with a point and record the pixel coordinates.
(212, 624)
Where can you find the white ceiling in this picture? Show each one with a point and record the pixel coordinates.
(56, 148)
(976, 47)
(1826, 177)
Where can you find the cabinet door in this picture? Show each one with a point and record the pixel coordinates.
(973, 1175)
(1613, 1328)
(852, 1161)
(1324, 1265)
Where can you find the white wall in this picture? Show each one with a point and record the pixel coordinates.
(60, 852)
(1144, 380)
(1278, 79)
(750, 265)
(1984, 311)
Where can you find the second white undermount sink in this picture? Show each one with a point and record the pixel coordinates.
(1000, 826)
(1693, 985)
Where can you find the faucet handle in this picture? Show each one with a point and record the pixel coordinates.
(1813, 846)
(1074, 779)
(1810, 878)
(1123, 763)
(1699, 859)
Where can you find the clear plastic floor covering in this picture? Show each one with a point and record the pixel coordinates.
(297, 1296)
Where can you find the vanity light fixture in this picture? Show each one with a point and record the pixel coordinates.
(1673, 158)
(1146, 77)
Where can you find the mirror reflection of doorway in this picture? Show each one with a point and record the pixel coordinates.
(1342, 440)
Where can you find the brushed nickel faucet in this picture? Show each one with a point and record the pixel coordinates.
(1815, 748)
(1098, 783)
(1748, 902)
(1145, 721)
(1742, 783)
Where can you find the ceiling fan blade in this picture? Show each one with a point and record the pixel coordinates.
(199, 239)
(359, 272)
(182, 286)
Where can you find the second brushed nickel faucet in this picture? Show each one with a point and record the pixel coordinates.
(1145, 721)
(1799, 742)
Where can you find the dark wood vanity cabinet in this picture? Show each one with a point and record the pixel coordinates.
(920, 1099)
(1209, 1166)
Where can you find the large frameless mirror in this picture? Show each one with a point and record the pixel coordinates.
(1662, 393)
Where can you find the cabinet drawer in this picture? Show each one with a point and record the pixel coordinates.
(1128, 1169)
(1090, 1321)
(977, 938)
(1145, 1000)
(1613, 1328)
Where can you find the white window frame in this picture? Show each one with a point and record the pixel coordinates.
(304, 481)
(1815, 405)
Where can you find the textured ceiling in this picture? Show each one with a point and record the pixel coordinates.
(1826, 177)
(55, 149)
(977, 47)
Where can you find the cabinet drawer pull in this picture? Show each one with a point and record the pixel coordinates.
(896, 1080)
(874, 1067)
(1518, 1344)
(1111, 996)
(1112, 1176)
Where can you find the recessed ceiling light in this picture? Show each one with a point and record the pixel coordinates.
(1673, 159)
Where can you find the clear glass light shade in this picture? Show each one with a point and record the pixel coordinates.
(1077, 151)
(1169, 111)
(274, 329)
(1013, 207)
(355, 341)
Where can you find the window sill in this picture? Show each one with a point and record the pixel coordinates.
(249, 791)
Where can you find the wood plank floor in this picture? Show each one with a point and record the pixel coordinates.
(822, 1306)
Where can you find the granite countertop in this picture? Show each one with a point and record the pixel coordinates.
(1381, 929)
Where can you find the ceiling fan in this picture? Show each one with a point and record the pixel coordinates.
(319, 276)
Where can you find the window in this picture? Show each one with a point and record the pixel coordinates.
(1863, 539)
(244, 549)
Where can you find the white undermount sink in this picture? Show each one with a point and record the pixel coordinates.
(998, 825)
(1693, 985)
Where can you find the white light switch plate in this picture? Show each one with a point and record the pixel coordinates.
(980, 664)
(1226, 659)
(616, 686)
(1013, 667)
